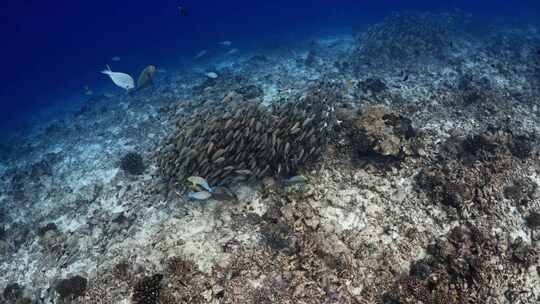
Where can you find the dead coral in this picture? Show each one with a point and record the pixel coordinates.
(474, 172)
(132, 163)
(381, 132)
(13, 292)
(459, 269)
(303, 266)
(533, 220)
(245, 140)
(405, 38)
(372, 85)
(71, 288)
(184, 283)
(147, 290)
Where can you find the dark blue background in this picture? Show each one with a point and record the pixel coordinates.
(55, 47)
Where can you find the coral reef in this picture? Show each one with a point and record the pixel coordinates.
(422, 186)
(147, 290)
(380, 132)
(460, 269)
(406, 38)
(372, 85)
(472, 172)
(133, 163)
(13, 292)
(184, 283)
(245, 140)
(71, 288)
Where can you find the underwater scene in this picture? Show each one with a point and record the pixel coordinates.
(302, 152)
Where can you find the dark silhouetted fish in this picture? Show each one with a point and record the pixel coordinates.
(183, 11)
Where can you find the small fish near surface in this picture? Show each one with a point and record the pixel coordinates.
(88, 91)
(226, 43)
(298, 179)
(199, 181)
(233, 51)
(121, 80)
(211, 75)
(200, 54)
(200, 196)
(183, 11)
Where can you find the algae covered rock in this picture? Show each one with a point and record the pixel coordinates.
(379, 131)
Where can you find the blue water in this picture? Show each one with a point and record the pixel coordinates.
(52, 49)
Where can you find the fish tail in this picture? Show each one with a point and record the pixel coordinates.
(107, 71)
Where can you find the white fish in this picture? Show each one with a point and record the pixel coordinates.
(211, 75)
(116, 58)
(298, 179)
(199, 181)
(201, 196)
(232, 51)
(88, 91)
(201, 54)
(226, 43)
(122, 80)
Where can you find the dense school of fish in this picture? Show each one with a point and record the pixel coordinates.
(242, 141)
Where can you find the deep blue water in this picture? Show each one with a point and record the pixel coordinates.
(52, 49)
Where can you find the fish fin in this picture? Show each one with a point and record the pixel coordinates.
(107, 71)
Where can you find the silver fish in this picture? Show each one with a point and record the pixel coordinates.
(122, 80)
(199, 181)
(201, 196)
(201, 54)
(212, 75)
(298, 179)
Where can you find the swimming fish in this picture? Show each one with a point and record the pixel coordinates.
(183, 11)
(201, 196)
(226, 43)
(232, 51)
(88, 91)
(211, 75)
(201, 54)
(199, 181)
(146, 77)
(298, 179)
(116, 58)
(122, 80)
